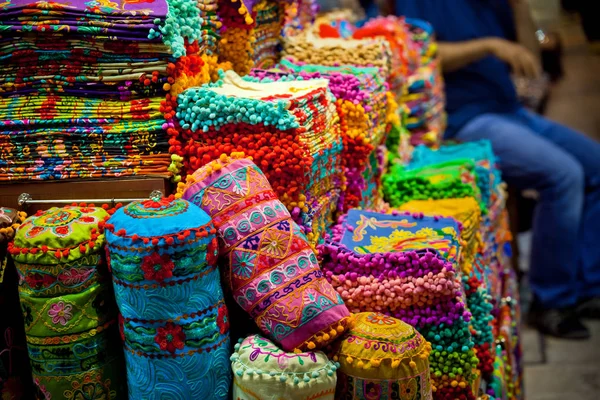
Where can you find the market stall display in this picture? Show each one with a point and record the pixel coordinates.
(318, 216)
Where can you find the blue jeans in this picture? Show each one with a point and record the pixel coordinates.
(563, 166)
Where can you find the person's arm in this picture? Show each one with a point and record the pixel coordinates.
(457, 55)
(525, 27)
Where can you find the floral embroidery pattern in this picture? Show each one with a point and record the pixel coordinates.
(59, 222)
(380, 319)
(408, 390)
(61, 313)
(243, 264)
(223, 319)
(170, 337)
(275, 243)
(38, 281)
(212, 252)
(157, 267)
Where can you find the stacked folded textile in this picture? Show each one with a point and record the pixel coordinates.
(479, 300)
(308, 48)
(290, 129)
(424, 96)
(267, 32)
(509, 333)
(81, 85)
(438, 181)
(406, 266)
(394, 30)
(15, 371)
(480, 152)
(68, 304)
(425, 99)
(422, 38)
(362, 105)
(272, 271)
(211, 26)
(487, 267)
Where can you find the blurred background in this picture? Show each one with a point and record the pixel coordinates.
(558, 369)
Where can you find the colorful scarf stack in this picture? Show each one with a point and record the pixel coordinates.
(263, 371)
(81, 84)
(237, 34)
(439, 181)
(211, 26)
(68, 305)
(290, 129)
(424, 96)
(272, 271)
(488, 176)
(383, 358)
(487, 271)
(308, 48)
(362, 183)
(364, 108)
(174, 321)
(394, 30)
(267, 32)
(15, 372)
(406, 266)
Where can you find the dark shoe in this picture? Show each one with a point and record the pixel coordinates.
(557, 322)
(589, 308)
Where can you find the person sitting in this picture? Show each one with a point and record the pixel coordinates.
(480, 43)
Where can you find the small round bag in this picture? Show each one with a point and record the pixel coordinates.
(264, 371)
(383, 358)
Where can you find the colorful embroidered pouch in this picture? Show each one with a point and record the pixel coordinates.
(272, 271)
(68, 304)
(173, 318)
(383, 358)
(264, 371)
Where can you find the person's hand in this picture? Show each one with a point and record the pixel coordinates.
(520, 59)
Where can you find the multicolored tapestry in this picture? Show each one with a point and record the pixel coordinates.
(68, 305)
(370, 232)
(173, 319)
(86, 85)
(272, 270)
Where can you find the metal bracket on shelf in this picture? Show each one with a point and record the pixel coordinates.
(25, 200)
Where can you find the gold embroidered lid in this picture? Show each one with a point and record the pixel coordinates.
(381, 347)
